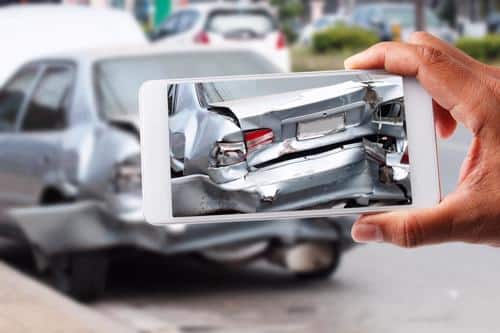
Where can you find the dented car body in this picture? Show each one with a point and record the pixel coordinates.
(338, 145)
(70, 177)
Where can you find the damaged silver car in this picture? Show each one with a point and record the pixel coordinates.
(240, 149)
(70, 181)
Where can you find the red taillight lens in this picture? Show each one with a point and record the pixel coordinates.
(405, 159)
(281, 41)
(255, 139)
(202, 38)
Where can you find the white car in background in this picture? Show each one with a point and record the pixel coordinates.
(30, 31)
(249, 26)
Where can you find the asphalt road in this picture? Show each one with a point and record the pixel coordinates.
(378, 288)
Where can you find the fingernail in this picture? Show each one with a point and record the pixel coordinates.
(367, 233)
(350, 62)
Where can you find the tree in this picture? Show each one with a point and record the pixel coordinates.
(288, 12)
(288, 9)
(447, 11)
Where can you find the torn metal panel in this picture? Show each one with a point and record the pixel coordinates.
(351, 172)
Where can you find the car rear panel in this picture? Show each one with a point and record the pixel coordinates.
(238, 24)
(296, 129)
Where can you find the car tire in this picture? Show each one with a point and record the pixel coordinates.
(80, 275)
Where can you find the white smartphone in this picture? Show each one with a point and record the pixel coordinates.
(280, 146)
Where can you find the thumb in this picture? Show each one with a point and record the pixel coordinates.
(406, 228)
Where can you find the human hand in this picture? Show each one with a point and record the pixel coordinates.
(464, 91)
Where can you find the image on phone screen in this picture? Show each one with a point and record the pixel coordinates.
(281, 144)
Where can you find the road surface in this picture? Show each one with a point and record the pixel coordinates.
(378, 288)
(452, 288)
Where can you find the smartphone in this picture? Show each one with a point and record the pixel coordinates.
(283, 146)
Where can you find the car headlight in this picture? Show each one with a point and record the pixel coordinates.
(127, 175)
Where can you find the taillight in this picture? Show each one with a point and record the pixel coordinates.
(202, 38)
(405, 159)
(255, 139)
(281, 41)
(228, 153)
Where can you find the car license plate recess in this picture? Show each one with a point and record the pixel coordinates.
(319, 127)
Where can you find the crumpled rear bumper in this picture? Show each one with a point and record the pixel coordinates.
(307, 182)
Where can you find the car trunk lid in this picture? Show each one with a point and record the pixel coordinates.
(240, 24)
(337, 109)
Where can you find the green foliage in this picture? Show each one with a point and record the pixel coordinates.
(484, 49)
(288, 9)
(343, 37)
(290, 34)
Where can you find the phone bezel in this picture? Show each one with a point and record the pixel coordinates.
(155, 161)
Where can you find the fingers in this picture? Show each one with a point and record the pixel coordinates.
(445, 124)
(453, 85)
(406, 228)
(425, 38)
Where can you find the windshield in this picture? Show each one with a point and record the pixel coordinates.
(405, 16)
(225, 22)
(118, 80)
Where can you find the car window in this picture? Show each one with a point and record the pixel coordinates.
(187, 20)
(13, 96)
(119, 79)
(228, 22)
(47, 107)
(171, 97)
(169, 27)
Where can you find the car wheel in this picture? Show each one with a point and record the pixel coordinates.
(80, 275)
(235, 254)
(309, 260)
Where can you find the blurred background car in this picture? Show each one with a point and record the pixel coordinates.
(219, 24)
(321, 24)
(69, 135)
(493, 22)
(397, 21)
(34, 30)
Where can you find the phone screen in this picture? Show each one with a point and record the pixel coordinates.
(292, 143)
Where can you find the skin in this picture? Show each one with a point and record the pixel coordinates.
(464, 91)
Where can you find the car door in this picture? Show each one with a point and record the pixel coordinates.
(35, 149)
(13, 98)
